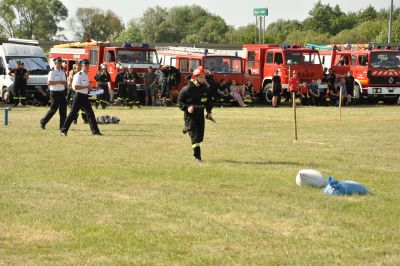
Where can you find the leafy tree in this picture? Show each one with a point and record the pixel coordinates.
(191, 24)
(325, 19)
(130, 34)
(95, 23)
(367, 14)
(278, 31)
(365, 32)
(308, 36)
(31, 19)
(244, 34)
(152, 24)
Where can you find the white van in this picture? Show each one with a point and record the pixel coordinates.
(34, 60)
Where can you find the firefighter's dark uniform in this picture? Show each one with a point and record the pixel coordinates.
(102, 79)
(131, 89)
(200, 98)
(120, 84)
(19, 85)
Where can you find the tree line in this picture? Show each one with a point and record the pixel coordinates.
(41, 19)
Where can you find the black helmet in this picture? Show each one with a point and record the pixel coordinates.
(84, 62)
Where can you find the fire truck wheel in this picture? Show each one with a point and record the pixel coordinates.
(267, 93)
(6, 96)
(357, 94)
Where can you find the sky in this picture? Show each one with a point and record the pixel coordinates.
(236, 13)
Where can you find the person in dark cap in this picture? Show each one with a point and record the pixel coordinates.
(57, 82)
(80, 85)
(21, 75)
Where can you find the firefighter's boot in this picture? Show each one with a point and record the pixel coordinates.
(197, 152)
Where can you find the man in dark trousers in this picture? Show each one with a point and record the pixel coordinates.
(192, 100)
(349, 80)
(80, 85)
(21, 75)
(130, 79)
(120, 85)
(103, 78)
(150, 81)
(57, 81)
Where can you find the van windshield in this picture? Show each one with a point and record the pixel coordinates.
(34, 65)
(223, 64)
(385, 59)
(136, 57)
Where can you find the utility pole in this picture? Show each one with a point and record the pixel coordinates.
(390, 22)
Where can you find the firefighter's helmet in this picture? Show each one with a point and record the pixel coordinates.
(199, 71)
(103, 66)
(130, 66)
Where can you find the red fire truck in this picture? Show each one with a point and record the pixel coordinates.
(225, 64)
(263, 59)
(141, 56)
(376, 71)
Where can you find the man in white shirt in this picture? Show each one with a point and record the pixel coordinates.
(57, 82)
(80, 85)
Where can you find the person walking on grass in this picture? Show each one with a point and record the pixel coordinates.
(57, 81)
(192, 100)
(80, 85)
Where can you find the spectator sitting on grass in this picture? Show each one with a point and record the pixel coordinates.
(304, 94)
(41, 97)
(249, 90)
(235, 93)
(314, 92)
(223, 92)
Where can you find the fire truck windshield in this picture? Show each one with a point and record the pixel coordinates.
(385, 59)
(223, 64)
(34, 65)
(136, 57)
(297, 58)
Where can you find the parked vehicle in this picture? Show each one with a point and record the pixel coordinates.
(141, 56)
(35, 62)
(376, 70)
(262, 60)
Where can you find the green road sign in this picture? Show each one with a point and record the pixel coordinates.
(260, 12)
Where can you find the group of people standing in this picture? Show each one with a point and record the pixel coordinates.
(155, 83)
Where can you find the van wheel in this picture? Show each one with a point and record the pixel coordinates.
(7, 96)
(268, 93)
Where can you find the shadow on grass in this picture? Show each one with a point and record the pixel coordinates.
(263, 163)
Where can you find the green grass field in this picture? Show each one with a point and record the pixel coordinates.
(135, 195)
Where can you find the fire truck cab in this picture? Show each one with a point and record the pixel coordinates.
(225, 64)
(376, 72)
(141, 56)
(263, 59)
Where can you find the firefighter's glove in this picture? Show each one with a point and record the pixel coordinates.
(209, 117)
